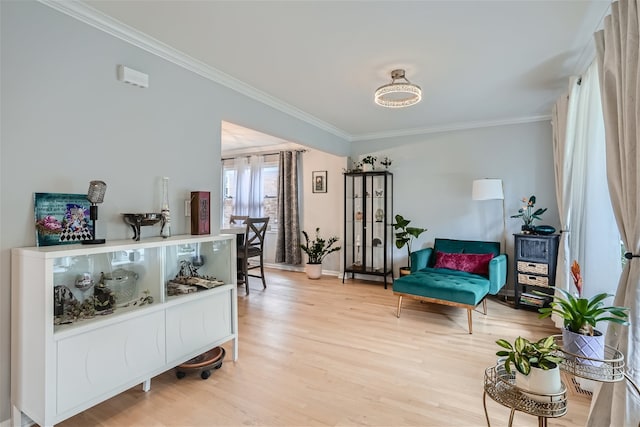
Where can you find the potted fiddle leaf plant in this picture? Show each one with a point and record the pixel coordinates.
(536, 363)
(316, 250)
(404, 237)
(580, 316)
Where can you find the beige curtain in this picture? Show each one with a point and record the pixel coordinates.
(562, 168)
(616, 404)
(288, 239)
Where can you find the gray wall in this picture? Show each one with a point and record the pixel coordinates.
(67, 120)
(433, 175)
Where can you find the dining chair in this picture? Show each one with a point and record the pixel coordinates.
(252, 247)
(237, 219)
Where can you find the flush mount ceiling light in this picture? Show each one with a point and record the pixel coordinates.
(398, 95)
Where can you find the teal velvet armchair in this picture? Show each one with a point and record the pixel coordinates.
(458, 273)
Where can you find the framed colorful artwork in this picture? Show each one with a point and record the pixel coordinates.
(319, 179)
(61, 218)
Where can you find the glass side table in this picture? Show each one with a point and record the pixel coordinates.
(500, 386)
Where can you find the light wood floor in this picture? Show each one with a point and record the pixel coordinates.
(318, 353)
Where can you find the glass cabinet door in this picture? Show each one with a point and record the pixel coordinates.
(87, 286)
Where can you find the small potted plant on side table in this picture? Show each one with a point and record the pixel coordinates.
(316, 250)
(536, 365)
(404, 237)
(580, 315)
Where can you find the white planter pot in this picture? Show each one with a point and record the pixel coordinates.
(314, 271)
(588, 346)
(540, 381)
(366, 167)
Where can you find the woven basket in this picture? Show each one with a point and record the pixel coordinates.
(533, 280)
(533, 267)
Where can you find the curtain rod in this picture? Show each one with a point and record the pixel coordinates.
(262, 154)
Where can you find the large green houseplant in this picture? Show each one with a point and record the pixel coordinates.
(316, 250)
(580, 316)
(537, 363)
(404, 237)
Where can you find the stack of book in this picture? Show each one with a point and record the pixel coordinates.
(531, 299)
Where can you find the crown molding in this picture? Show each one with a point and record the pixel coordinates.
(99, 20)
(90, 16)
(448, 128)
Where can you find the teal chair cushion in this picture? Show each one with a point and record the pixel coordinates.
(444, 284)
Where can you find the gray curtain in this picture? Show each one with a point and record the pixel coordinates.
(288, 241)
(616, 404)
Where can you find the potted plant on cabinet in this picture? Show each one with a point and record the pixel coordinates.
(536, 363)
(316, 250)
(369, 163)
(404, 237)
(580, 316)
(529, 215)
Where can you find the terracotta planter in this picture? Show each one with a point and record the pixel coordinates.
(314, 271)
(591, 347)
(540, 381)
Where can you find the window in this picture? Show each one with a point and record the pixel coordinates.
(238, 178)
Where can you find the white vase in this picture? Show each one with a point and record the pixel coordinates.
(591, 347)
(314, 271)
(540, 381)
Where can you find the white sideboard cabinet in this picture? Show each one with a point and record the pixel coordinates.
(62, 365)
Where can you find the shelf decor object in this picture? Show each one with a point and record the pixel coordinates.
(200, 212)
(61, 218)
(95, 195)
(368, 224)
(165, 231)
(66, 358)
(137, 220)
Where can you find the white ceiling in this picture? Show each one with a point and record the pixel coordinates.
(478, 62)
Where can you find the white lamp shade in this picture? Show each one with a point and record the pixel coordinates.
(487, 189)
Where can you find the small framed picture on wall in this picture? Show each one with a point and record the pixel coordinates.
(319, 181)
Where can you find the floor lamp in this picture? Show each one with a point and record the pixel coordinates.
(491, 189)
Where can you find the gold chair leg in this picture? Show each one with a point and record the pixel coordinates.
(399, 306)
(470, 320)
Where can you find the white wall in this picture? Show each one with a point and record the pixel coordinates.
(433, 175)
(324, 210)
(66, 120)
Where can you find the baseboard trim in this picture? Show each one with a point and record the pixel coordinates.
(297, 268)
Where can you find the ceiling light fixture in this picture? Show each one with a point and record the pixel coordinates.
(398, 95)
